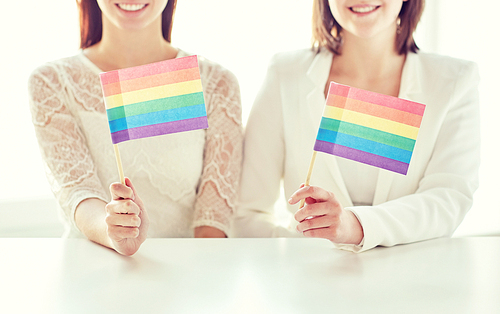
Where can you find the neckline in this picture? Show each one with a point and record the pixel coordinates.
(404, 79)
(97, 70)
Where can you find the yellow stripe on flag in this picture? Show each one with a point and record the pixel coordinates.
(371, 122)
(153, 93)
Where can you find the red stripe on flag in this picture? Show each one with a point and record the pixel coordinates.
(149, 69)
(376, 98)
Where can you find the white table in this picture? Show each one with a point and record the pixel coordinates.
(458, 275)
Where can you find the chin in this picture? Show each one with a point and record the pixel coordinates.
(371, 32)
(133, 27)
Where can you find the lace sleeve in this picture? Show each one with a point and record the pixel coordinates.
(223, 152)
(69, 167)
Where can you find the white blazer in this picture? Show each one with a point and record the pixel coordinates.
(429, 202)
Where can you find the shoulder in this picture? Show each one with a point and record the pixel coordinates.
(295, 61)
(220, 88)
(51, 72)
(441, 82)
(444, 66)
(46, 90)
(214, 75)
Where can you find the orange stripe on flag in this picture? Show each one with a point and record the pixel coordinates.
(151, 81)
(374, 110)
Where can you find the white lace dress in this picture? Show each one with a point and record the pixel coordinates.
(185, 179)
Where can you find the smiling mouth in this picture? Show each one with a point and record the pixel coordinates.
(131, 7)
(364, 9)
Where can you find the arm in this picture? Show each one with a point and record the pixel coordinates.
(222, 159)
(70, 169)
(263, 162)
(122, 224)
(445, 192)
(69, 166)
(438, 205)
(90, 218)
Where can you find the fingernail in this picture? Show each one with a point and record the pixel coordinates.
(290, 200)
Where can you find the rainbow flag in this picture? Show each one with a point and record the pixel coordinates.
(368, 127)
(154, 99)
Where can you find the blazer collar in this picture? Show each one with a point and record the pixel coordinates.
(319, 69)
(317, 74)
(410, 78)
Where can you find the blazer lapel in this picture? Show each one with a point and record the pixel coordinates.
(318, 74)
(410, 86)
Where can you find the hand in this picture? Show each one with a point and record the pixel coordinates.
(324, 217)
(126, 218)
(208, 232)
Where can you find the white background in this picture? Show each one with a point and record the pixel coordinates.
(242, 36)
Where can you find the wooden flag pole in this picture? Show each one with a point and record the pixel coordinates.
(308, 178)
(119, 163)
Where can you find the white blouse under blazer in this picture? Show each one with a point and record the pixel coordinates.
(429, 202)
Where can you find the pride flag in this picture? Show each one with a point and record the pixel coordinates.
(154, 99)
(368, 127)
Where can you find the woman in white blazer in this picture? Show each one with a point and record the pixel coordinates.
(354, 205)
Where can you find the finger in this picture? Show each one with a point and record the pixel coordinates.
(316, 223)
(302, 201)
(310, 200)
(300, 187)
(325, 233)
(136, 197)
(120, 191)
(307, 200)
(290, 199)
(319, 194)
(312, 210)
(123, 207)
(123, 220)
(117, 233)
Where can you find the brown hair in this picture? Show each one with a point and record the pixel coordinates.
(91, 21)
(326, 31)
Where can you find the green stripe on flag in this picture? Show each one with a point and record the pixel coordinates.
(155, 105)
(367, 133)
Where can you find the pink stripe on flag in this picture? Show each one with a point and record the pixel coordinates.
(109, 77)
(149, 69)
(376, 98)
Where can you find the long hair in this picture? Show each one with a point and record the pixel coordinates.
(326, 31)
(91, 21)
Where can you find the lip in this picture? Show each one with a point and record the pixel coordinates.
(363, 9)
(131, 13)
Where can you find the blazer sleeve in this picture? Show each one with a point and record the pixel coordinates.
(264, 153)
(445, 192)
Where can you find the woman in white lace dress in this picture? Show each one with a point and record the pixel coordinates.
(184, 184)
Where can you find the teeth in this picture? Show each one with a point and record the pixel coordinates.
(131, 7)
(363, 9)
